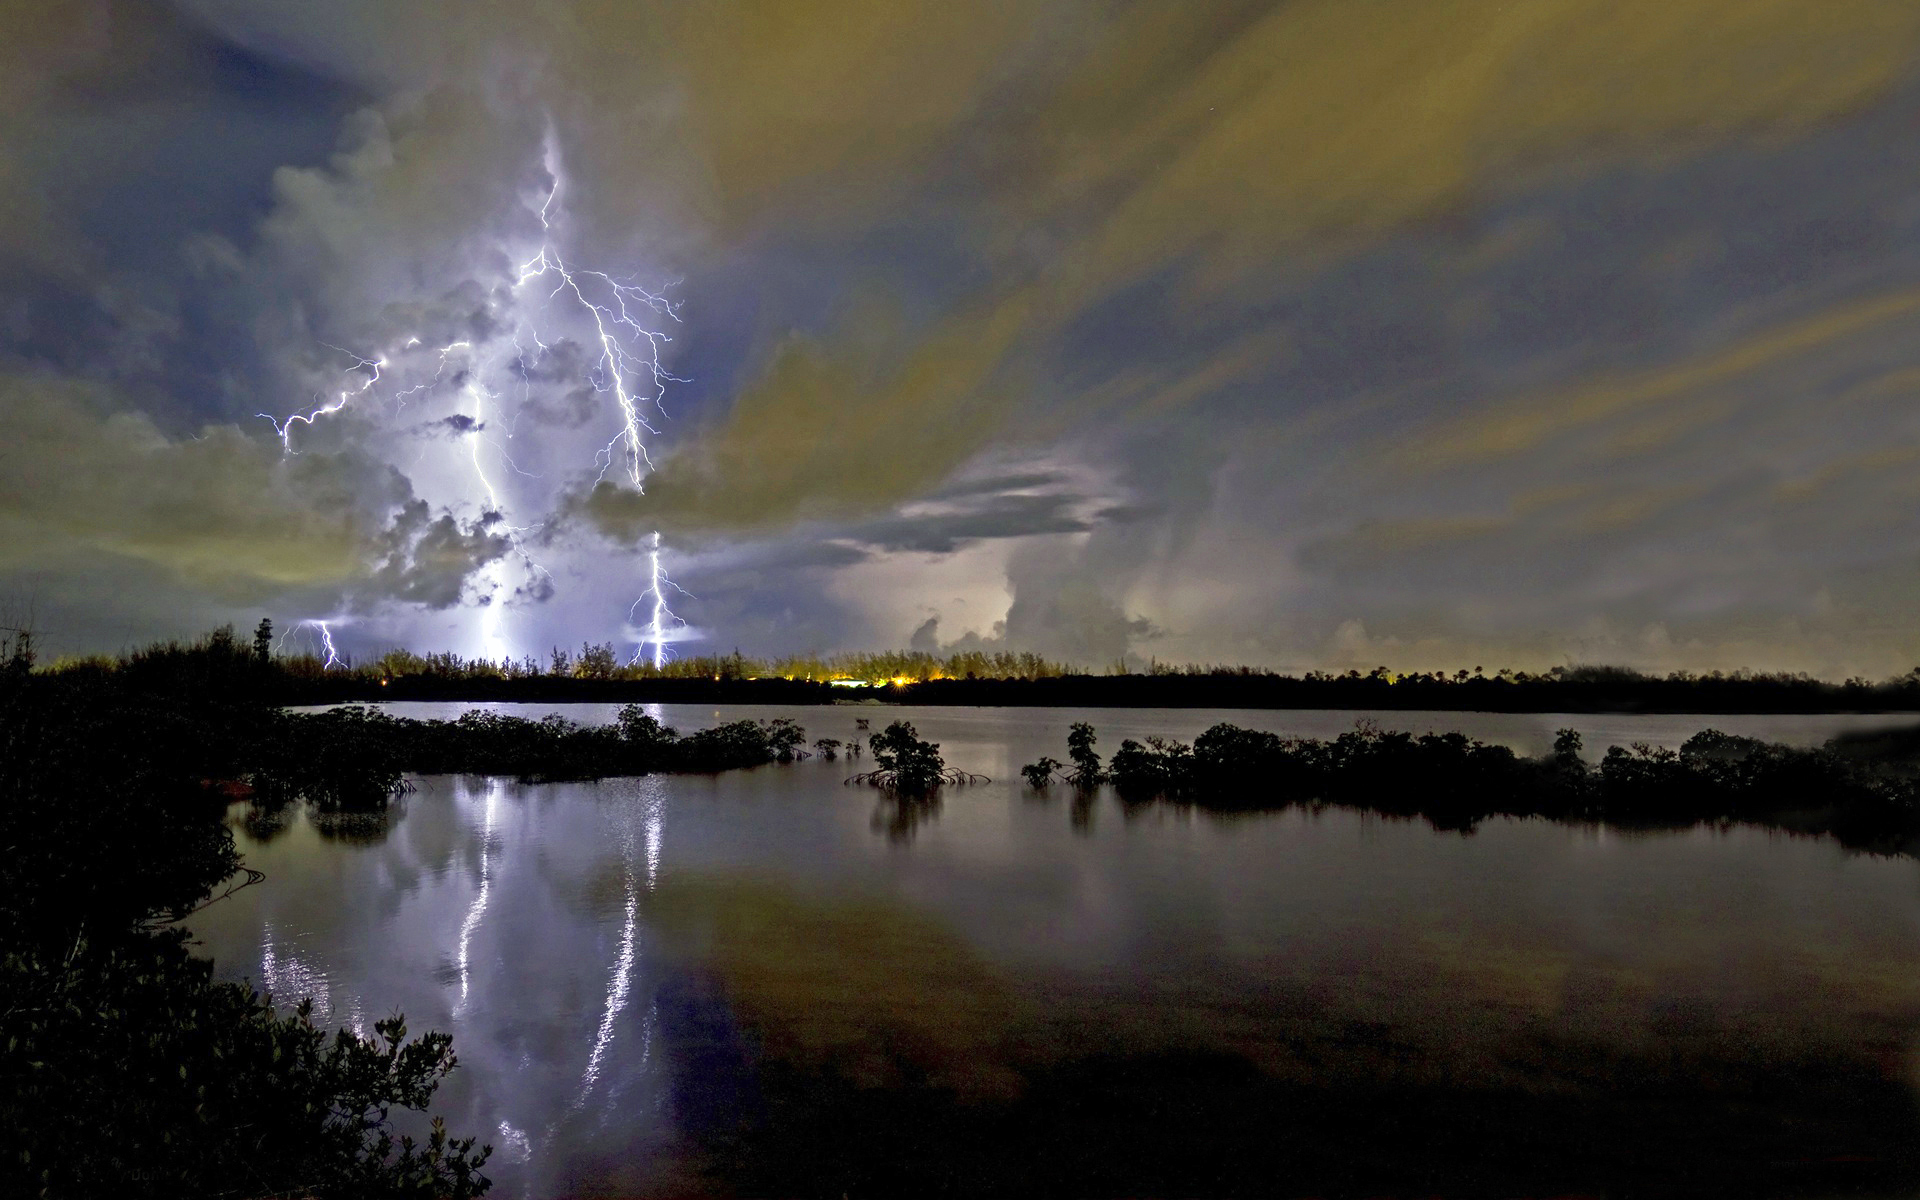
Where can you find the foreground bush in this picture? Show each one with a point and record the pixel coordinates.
(125, 1070)
(129, 1072)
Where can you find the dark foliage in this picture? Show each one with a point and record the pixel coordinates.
(106, 819)
(910, 764)
(784, 739)
(130, 1073)
(126, 1070)
(353, 758)
(908, 767)
(1866, 799)
(219, 663)
(1589, 689)
(1040, 774)
(1080, 752)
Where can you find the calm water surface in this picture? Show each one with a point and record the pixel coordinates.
(620, 962)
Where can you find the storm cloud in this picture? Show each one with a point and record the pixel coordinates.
(1304, 333)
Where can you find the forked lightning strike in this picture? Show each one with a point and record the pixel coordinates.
(657, 592)
(285, 428)
(326, 640)
(628, 366)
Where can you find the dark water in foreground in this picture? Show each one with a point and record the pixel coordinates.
(766, 982)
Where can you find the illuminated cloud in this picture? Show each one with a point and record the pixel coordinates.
(220, 510)
(1474, 330)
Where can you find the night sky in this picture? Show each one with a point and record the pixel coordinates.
(1316, 333)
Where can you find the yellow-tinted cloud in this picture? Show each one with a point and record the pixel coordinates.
(1244, 125)
(1167, 138)
(1393, 537)
(222, 510)
(827, 435)
(1519, 426)
(1882, 460)
(1327, 116)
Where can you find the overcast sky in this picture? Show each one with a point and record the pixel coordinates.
(1315, 333)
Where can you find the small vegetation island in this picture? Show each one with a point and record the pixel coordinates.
(596, 673)
(1863, 790)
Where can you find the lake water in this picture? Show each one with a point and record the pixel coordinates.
(767, 981)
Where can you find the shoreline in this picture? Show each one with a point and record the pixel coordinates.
(1280, 693)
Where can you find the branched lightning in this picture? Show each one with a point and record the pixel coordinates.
(619, 358)
(664, 618)
(622, 356)
(326, 640)
(628, 367)
(285, 428)
(400, 398)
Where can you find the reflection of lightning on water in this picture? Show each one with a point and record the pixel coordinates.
(620, 981)
(282, 974)
(655, 810)
(516, 1144)
(479, 906)
(628, 368)
(618, 984)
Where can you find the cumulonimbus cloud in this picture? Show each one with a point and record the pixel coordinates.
(222, 510)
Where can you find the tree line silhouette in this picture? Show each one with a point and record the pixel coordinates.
(596, 672)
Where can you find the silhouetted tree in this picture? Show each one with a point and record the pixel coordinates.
(1040, 774)
(1566, 750)
(906, 763)
(596, 662)
(1086, 764)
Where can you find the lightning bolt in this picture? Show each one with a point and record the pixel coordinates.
(285, 428)
(624, 319)
(665, 622)
(326, 640)
(632, 354)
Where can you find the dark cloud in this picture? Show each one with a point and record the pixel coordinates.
(995, 485)
(1002, 516)
(460, 423)
(428, 560)
(1291, 331)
